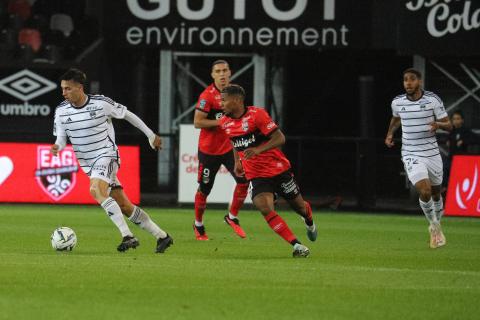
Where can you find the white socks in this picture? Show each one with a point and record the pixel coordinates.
(142, 219)
(427, 208)
(438, 209)
(198, 223)
(231, 216)
(114, 212)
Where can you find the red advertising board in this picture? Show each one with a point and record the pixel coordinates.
(463, 195)
(29, 173)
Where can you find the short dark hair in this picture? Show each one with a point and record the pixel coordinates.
(220, 61)
(234, 90)
(414, 71)
(76, 75)
(460, 113)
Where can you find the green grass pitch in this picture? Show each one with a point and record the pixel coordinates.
(361, 267)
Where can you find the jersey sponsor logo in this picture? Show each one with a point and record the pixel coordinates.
(93, 113)
(228, 124)
(243, 143)
(56, 175)
(202, 104)
(245, 126)
(422, 106)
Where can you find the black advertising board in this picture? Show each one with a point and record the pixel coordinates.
(237, 24)
(28, 98)
(439, 27)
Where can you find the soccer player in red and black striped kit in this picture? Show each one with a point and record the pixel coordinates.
(215, 149)
(256, 140)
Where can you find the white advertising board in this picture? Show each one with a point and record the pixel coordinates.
(188, 165)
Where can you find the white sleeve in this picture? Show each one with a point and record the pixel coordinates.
(114, 109)
(58, 129)
(137, 122)
(61, 142)
(439, 109)
(59, 132)
(394, 110)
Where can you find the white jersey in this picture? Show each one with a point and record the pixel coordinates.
(417, 140)
(89, 129)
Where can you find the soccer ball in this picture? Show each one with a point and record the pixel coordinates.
(63, 239)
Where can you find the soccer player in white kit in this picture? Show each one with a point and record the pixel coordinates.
(421, 113)
(86, 120)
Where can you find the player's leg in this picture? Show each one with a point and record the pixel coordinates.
(238, 198)
(100, 178)
(262, 194)
(418, 175)
(139, 217)
(208, 166)
(287, 187)
(435, 173)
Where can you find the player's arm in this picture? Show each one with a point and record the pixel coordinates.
(443, 124)
(119, 111)
(277, 139)
(153, 139)
(395, 123)
(200, 120)
(441, 116)
(238, 168)
(61, 135)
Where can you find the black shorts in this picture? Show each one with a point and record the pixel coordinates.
(283, 184)
(208, 166)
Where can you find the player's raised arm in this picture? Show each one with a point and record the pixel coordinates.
(394, 125)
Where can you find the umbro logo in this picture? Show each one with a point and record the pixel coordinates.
(26, 85)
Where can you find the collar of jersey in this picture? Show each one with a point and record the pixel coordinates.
(241, 116)
(86, 102)
(406, 96)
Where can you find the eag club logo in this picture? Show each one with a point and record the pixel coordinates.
(56, 175)
(463, 195)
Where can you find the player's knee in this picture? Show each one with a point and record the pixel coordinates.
(96, 191)
(425, 194)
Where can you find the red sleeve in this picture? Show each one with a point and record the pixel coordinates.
(221, 122)
(264, 122)
(204, 103)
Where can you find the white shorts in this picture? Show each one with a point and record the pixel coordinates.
(420, 168)
(106, 169)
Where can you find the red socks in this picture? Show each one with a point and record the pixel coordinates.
(200, 205)
(280, 227)
(239, 195)
(309, 217)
